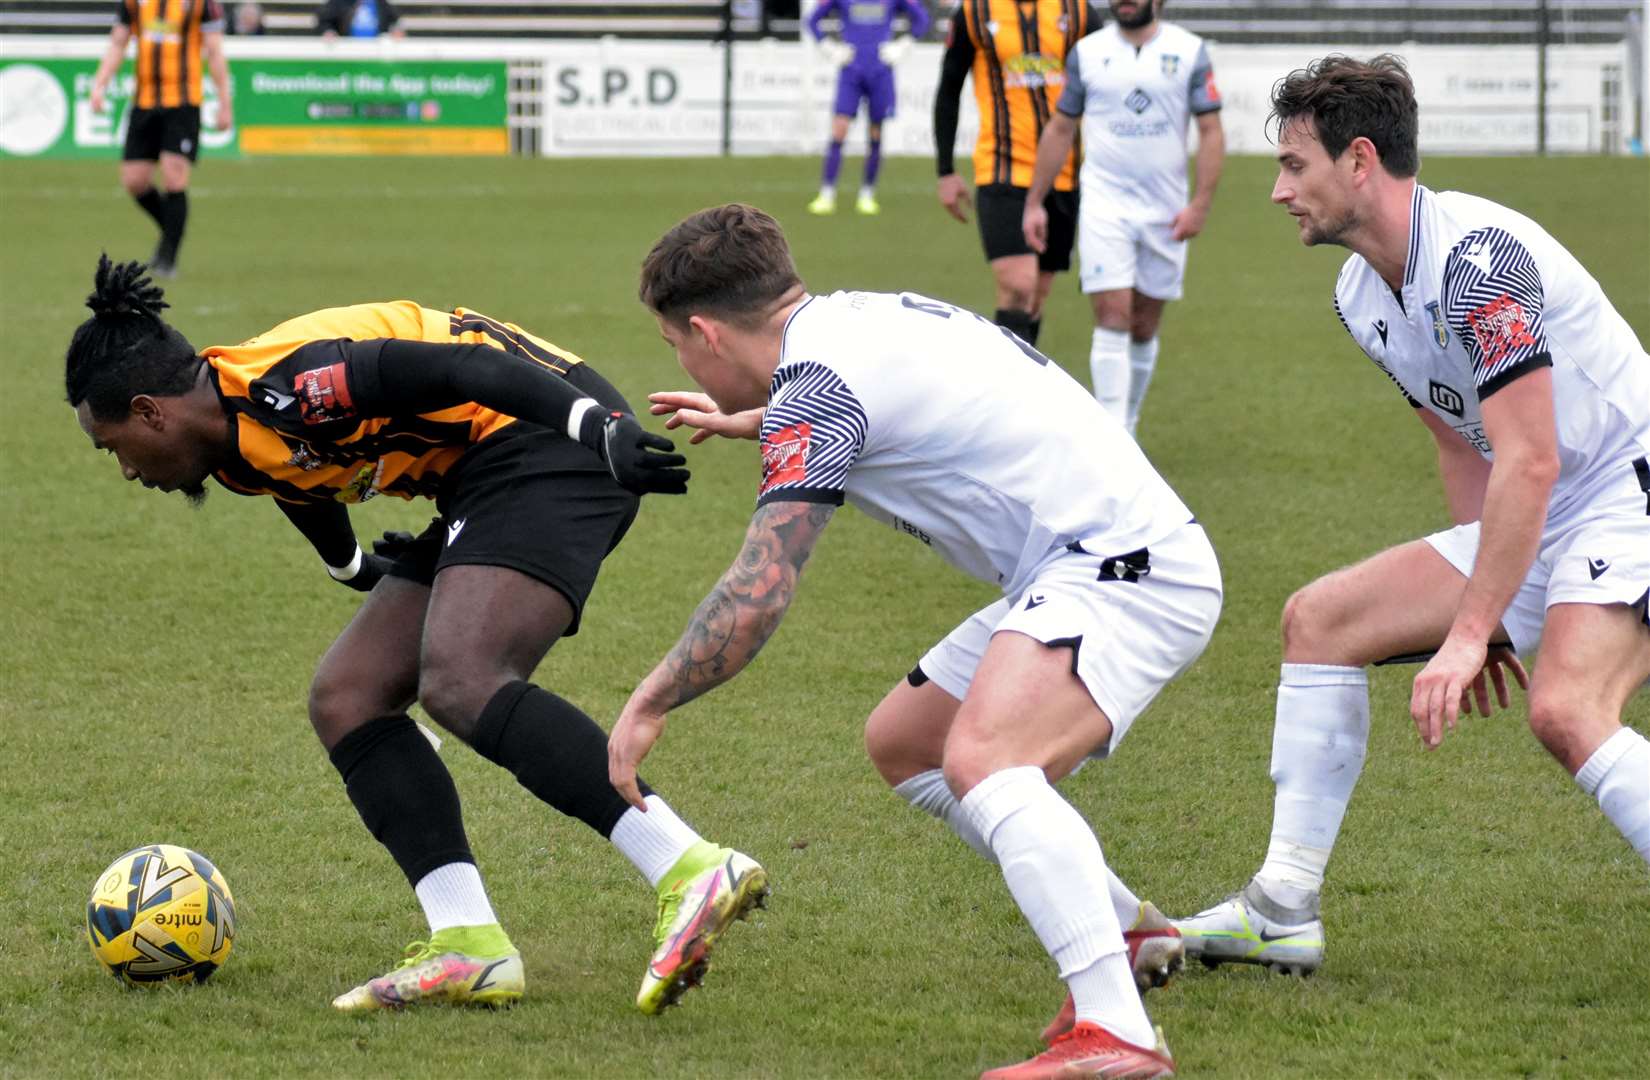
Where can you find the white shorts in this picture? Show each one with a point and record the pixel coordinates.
(1117, 252)
(1598, 556)
(1134, 622)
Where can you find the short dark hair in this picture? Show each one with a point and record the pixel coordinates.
(1348, 98)
(125, 348)
(729, 261)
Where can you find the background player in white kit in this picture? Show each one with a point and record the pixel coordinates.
(1500, 339)
(1139, 82)
(955, 432)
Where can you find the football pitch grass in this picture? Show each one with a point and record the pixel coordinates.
(1484, 919)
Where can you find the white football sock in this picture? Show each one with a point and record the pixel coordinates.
(653, 841)
(453, 895)
(1618, 773)
(1318, 746)
(1056, 873)
(1109, 370)
(1142, 362)
(928, 791)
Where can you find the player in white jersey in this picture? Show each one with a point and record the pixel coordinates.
(1538, 394)
(1137, 85)
(956, 433)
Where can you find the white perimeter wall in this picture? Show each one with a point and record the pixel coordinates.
(631, 98)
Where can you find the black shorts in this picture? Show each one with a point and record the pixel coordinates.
(150, 131)
(531, 500)
(1001, 209)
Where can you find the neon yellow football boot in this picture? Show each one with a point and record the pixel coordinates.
(701, 896)
(462, 965)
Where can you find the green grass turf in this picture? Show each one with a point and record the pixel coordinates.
(1484, 918)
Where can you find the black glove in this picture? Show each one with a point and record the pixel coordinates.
(639, 460)
(393, 545)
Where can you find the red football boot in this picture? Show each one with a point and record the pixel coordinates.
(1088, 1050)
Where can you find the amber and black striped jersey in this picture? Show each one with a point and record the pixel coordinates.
(168, 35)
(1015, 51)
(300, 433)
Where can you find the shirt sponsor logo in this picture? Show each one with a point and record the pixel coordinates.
(1446, 398)
(785, 456)
(1500, 327)
(1138, 101)
(363, 485)
(1440, 330)
(323, 394)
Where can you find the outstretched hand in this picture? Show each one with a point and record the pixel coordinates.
(632, 737)
(1455, 679)
(639, 460)
(699, 412)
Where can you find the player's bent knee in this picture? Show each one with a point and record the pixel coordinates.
(1311, 622)
(453, 693)
(1559, 721)
(336, 708)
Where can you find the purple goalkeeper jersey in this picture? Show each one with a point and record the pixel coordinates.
(868, 23)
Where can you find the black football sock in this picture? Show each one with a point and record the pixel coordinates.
(555, 751)
(404, 794)
(175, 215)
(1036, 328)
(1018, 321)
(153, 202)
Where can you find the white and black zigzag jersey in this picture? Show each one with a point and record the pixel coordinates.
(1137, 105)
(933, 420)
(1488, 296)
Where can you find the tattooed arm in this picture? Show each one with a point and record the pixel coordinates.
(726, 632)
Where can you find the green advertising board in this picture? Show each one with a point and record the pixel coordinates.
(281, 107)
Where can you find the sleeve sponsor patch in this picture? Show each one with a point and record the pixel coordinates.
(1500, 327)
(323, 394)
(785, 456)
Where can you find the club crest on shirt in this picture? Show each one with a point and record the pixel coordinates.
(785, 456)
(1171, 64)
(323, 394)
(1500, 326)
(304, 458)
(1440, 330)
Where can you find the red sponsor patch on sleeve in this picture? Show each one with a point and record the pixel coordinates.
(1209, 89)
(323, 394)
(785, 456)
(1500, 326)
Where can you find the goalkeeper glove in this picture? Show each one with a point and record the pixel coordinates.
(639, 460)
(892, 52)
(839, 53)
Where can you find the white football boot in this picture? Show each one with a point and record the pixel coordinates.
(1250, 928)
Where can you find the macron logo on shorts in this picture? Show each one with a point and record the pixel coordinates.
(453, 530)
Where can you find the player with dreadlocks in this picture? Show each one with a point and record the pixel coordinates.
(535, 463)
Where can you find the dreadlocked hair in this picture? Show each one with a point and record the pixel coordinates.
(126, 348)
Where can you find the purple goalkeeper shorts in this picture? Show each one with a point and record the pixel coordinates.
(874, 84)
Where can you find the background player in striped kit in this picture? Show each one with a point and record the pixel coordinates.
(866, 52)
(1015, 51)
(1139, 83)
(174, 39)
(1537, 393)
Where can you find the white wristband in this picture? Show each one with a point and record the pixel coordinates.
(575, 415)
(345, 573)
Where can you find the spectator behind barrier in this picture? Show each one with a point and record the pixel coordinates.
(248, 21)
(358, 18)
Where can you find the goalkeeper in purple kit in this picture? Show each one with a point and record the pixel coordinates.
(865, 51)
